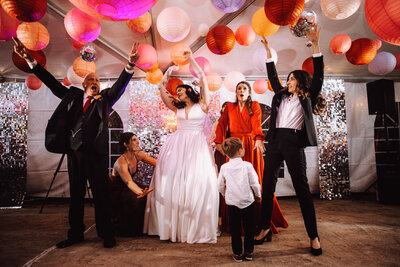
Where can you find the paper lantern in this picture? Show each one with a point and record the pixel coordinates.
(260, 57)
(362, 51)
(261, 24)
(173, 24)
(270, 86)
(245, 35)
(228, 6)
(339, 9)
(73, 77)
(382, 64)
(220, 40)
(82, 67)
(154, 77)
(8, 26)
(21, 64)
(27, 10)
(383, 17)
(147, 56)
(204, 65)
(77, 45)
(340, 43)
(203, 29)
(283, 12)
(141, 24)
(214, 81)
(177, 54)
(378, 43)
(308, 65)
(172, 84)
(81, 26)
(397, 61)
(33, 35)
(260, 86)
(232, 79)
(33, 82)
(66, 82)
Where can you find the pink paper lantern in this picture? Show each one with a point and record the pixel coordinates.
(259, 57)
(260, 86)
(204, 65)
(33, 35)
(82, 27)
(228, 6)
(232, 79)
(173, 24)
(340, 44)
(245, 35)
(147, 56)
(33, 83)
(397, 61)
(8, 26)
(382, 64)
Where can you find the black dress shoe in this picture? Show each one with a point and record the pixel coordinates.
(109, 242)
(266, 238)
(316, 251)
(68, 242)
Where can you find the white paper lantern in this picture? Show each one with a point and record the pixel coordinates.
(203, 29)
(339, 9)
(383, 63)
(173, 24)
(260, 57)
(73, 77)
(232, 79)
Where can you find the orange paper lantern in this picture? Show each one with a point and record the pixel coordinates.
(154, 77)
(214, 81)
(26, 10)
(283, 12)
(261, 24)
(21, 64)
(147, 56)
(260, 86)
(172, 84)
(33, 35)
(220, 40)
(66, 82)
(177, 54)
(141, 24)
(82, 67)
(270, 86)
(153, 68)
(77, 45)
(362, 51)
(8, 26)
(33, 83)
(340, 44)
(81, 26)
(245, 35)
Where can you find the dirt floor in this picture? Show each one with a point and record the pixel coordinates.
(354, 232)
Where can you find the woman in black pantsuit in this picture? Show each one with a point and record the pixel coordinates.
(292, 129)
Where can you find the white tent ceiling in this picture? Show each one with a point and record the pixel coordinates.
(115, 40)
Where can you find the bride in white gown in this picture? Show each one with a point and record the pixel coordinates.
(184, 204)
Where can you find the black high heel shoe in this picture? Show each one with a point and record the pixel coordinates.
(316, 251)
(266, 238)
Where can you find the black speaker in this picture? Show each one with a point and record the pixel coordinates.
(381, 97)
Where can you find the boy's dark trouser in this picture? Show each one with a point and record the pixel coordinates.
(236, 216)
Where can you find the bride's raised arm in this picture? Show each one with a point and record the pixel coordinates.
(166, 97)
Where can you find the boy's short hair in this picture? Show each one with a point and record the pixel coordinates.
(231, 146)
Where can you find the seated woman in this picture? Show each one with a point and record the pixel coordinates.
(127, 189)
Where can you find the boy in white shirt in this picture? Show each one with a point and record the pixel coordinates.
(238, 183)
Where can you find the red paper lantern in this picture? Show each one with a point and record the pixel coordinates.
(340, 44)
(214, 81)
(21, 64)
(308, 66)
(81, 26)
(260, 86)
(141, 24)
(82, 67)
(383, 17)
(33, 82)
(33, 35)
(8, 26)
(283, 12)
(220, 40)
(362, 51)
(172, 84)
(66, 82)
(245, 35)
(25, 10)
(397, 61)
(77, 45)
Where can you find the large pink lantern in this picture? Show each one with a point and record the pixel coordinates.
(82, 27)
(340, 44)
(383, 17)
(147, 56)
(33, 35)
(204, 65)
(114, 9)
(260, 86)
(232, 79)
(173, 24)
(245, 35)
(382, 64)
(228, 6)
(8, 26)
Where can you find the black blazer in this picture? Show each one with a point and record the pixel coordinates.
(62, 132)
(309, 137)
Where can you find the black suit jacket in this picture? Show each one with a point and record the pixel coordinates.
(309, 137)
(68, 128)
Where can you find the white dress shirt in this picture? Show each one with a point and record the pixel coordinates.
(238, 182)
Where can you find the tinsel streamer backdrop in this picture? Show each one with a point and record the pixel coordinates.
(332, 140)
(13, 148)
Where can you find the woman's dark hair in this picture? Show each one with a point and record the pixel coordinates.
(249, 101)
(223, 106)
(191, 93)
(125, 138)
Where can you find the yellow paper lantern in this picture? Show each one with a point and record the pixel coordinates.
(154, 77)
(82, 67)
(153, 68)
(177, 54)
(141, 24)
(261, 25)
(33, 35)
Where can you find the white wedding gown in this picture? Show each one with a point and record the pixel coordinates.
(184, 204)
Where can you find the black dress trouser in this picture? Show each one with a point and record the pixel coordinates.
(236, 215)
(82, 165)
(286, 146)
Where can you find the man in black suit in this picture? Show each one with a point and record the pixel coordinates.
(80, 124)
(291, 130)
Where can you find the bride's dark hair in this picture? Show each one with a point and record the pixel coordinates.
(191, 93)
